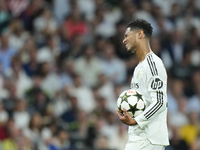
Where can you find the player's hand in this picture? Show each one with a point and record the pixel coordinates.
(126, 118)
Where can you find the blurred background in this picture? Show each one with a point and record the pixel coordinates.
(63, 65)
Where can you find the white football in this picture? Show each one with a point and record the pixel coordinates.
(132, 101)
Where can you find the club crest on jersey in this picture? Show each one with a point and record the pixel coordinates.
(138, 74)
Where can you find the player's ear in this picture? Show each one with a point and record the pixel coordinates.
(140, 34)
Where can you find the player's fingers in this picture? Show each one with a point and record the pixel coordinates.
(125, 112)
(118, 114)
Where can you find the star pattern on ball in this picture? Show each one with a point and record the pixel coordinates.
(130, 101)
(124, 97)
(139, 96)
(132, 108)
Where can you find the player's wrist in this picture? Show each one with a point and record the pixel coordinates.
(133, 122)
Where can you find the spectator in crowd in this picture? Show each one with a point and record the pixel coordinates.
(6, 53)
(75, 24)
(87, 66)
(31, 66)
(33, 131)
(117, 38)
(190, 131)
(179, 118)
(3, 121)
(71, 114)
(112, 66)
(184, 69)
(10, 100)
(62, 140)
(67, 72)
(61, 9)
(101, 109)
(22, 81)
(87, 8)
(20, 115)
(177, 143)
(60, 102)
(83, 93)
(175, 91)
(16, 139)
(50, 82)
(16, 7)
(44, 25)
(119, 140)
(110, 127)
(17, 36)
(101, 142)
(49, 52)
(76, 44)
(194, 101)
(106, 90)
(5, 17)
(32, 11)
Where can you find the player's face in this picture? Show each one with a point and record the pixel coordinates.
(130, 40)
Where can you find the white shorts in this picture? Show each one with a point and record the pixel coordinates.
(143, 145)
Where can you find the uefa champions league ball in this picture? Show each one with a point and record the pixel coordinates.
(132, 101)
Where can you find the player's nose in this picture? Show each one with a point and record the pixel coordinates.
(124, 41)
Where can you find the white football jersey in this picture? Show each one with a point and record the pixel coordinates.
(150, 79)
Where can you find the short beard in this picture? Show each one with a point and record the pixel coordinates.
(129, 52)
(132, 50)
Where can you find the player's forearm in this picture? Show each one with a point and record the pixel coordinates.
(157, 107)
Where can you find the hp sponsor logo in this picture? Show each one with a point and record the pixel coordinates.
(156, 84)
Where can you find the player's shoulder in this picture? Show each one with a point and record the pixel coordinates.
(153, 57)
(153, 63)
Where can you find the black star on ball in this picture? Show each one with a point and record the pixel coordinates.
(124, 97)
(139, 96)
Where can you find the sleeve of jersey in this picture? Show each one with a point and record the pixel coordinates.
(156, 79)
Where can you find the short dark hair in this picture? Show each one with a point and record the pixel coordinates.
(141, 24)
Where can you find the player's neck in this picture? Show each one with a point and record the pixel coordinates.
(142, 51)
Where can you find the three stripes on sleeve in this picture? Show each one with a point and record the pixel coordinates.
(156, 107)
(152, 65)
(159, 103)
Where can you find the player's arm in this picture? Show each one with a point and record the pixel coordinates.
(156, 80)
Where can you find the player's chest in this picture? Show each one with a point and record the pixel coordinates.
(137, 81)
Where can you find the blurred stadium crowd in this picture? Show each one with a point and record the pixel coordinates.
(63, 65)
